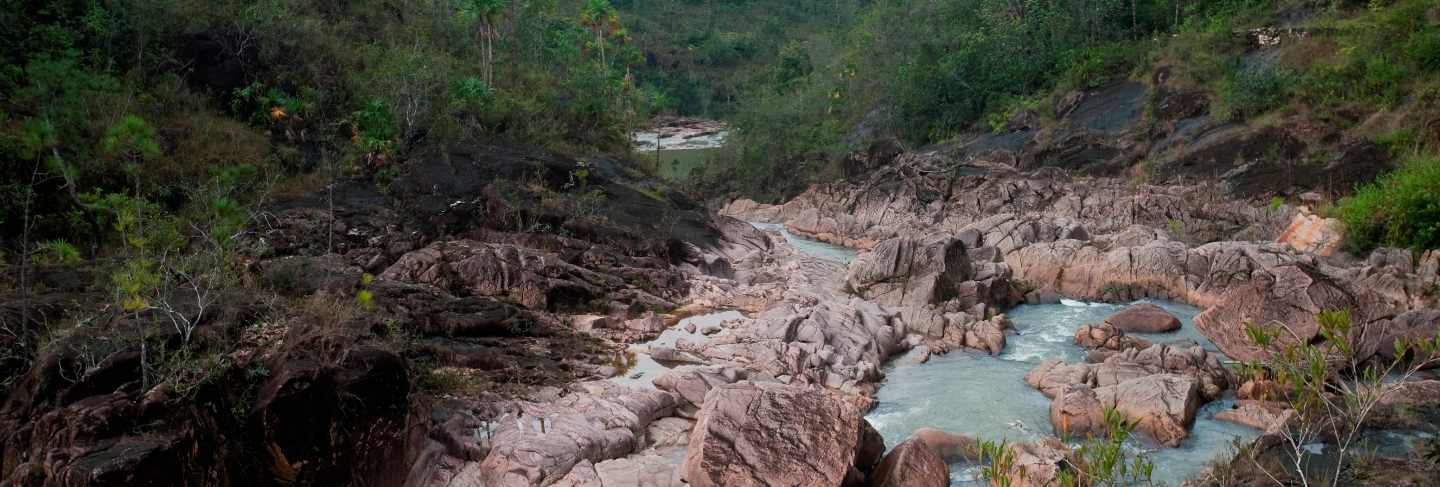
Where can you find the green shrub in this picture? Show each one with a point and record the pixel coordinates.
(56, 252)
(1252, 90)
(1400, 209)
(1423, 51)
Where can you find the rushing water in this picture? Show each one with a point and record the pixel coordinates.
(986, 397)
(819, 249)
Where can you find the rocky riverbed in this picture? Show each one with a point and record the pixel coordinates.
(663, 344)
(780, 396)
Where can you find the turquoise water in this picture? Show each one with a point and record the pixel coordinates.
(986, 397)
(818, 249)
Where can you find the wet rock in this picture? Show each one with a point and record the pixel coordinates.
(753, 434)
(912, 463)
(320, 421)
(1040, 463)
(1144, 318)
(953, 448)
(1261, 415)
(1162, 406)
(1106, 336)
(1051, 376)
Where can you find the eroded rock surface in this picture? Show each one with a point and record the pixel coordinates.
(757, 434)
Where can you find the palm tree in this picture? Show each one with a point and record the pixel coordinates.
(485, 13)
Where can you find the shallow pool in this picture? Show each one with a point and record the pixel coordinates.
(986, 397)
(816, 248)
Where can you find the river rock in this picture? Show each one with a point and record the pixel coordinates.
(1162, 406)
(1106, 336)
(1040, 463)
(909, 271)
(765, 434)
(953, 448)
(691, 385)
(1144, 318)
(1051, 376)
(1262, 415)
(597, 422)
(912, 463)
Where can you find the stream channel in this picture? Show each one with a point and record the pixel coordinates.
(986, 396)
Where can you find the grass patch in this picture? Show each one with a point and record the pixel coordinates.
(1399, 209)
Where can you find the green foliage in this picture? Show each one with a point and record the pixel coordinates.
(793, 68)
(1399, 209)
(260, 105)
(56, 252)
(1331, 388)
(132, 139)
(1276, 202)
(365, 299)
(997, 462)
(1251, 90)
(1107, 461)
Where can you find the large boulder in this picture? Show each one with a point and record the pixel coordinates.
(1051, 376)
(909, 271)
(1144, 318)
(1162, 406)
(767, 434)
(1290, 295)
(913, 463)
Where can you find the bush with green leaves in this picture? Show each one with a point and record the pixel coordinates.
(56, 252)
(1253, 89)
(1399, 209)
(1332, 386)
(1109, 460)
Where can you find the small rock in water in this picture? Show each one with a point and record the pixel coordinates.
(690, 328)
(710, 330)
